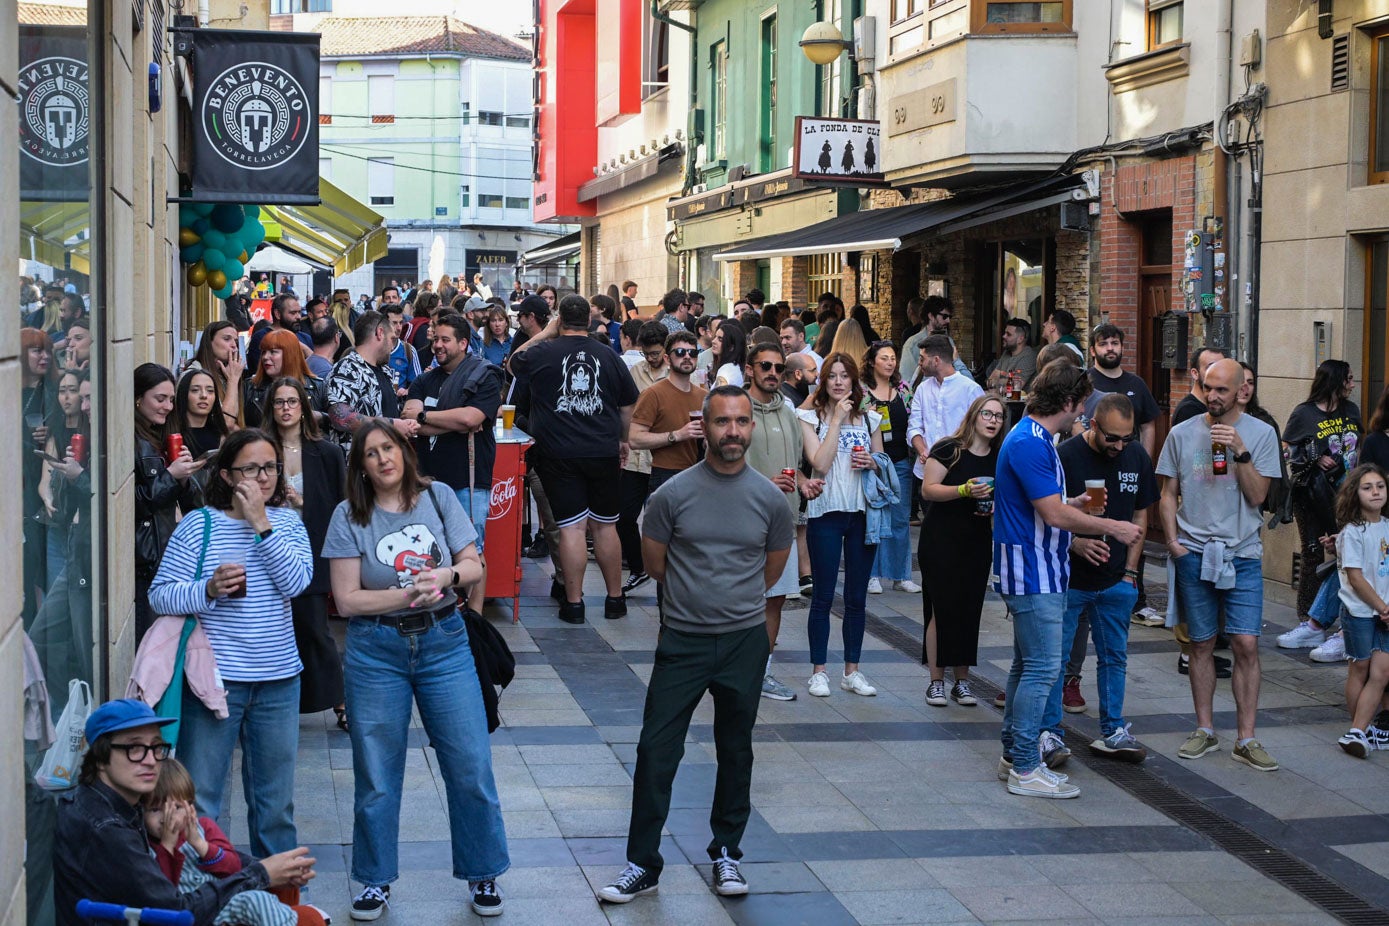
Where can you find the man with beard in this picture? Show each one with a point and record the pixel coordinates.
(715, 643)
(1108, 375)
(454, 404)
(1018, 357)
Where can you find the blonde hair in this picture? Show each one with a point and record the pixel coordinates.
(173, 782)
(849, 339)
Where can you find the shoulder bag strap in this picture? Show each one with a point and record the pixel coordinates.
(207, 540)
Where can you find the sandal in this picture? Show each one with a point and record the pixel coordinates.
(341, 713)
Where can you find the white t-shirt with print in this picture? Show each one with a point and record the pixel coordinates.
(1364, 547)
(843, 483)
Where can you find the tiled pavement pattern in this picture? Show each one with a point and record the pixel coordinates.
(867, 810)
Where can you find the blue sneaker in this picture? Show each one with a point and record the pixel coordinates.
(1120, 745)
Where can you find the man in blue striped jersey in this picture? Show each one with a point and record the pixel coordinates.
(1033, 521)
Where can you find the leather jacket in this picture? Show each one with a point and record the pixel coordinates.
(101, 852)
(158, 495)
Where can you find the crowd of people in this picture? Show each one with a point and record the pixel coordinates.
(344, 466)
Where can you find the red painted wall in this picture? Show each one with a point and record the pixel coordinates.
(619, 61)
(566, 130)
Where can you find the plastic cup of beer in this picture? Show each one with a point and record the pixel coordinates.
(508, 417)
(1095, 496)
(235, 558)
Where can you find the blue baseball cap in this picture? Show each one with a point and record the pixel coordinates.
(124, 714)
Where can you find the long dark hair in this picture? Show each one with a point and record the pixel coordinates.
(205, 358)
(308, 426)
(828, 328)
(870, 356)
(148, 376)
(859, 313)
(1348, 495)
(219, 492)
(1379, 421)
(820, 398)
(1253, 407)
(215, 419)
(1328, 384)
(735, 345)
(361, 494)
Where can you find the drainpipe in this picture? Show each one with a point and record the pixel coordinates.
(1222, 166)
(660, 17)
(204, 13)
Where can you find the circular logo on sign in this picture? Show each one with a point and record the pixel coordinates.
(55, 120)
(255, 115)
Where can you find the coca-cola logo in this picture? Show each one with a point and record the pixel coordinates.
(503, 497)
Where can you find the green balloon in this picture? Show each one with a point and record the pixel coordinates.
(212, 238)
(227, 290)
(213, 259)
(233, 269)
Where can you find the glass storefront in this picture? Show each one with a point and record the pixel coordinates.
(57, 406)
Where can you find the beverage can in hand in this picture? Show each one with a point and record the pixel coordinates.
(173, 447)
(79, 448)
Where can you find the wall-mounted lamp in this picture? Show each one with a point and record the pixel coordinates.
(822, 42)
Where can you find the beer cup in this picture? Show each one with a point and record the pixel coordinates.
(508, 417)
(1095, 496)
(236, 558)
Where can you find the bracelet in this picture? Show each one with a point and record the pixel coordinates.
(1131, 573)
(963, 490)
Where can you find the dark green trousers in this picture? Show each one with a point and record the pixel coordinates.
(730, 666)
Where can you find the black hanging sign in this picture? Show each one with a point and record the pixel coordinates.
(255, 117)
(54, 114)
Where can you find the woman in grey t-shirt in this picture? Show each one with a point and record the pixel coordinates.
(399, 546)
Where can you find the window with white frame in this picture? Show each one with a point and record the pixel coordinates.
(381, 181)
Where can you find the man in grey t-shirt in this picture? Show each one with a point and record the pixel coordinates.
(1211, 523)
(712, 643)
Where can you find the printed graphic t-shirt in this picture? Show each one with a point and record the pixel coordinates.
(1364, 547)
(576, 389)
(1336, 434)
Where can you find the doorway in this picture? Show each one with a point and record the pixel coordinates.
(1155, 301)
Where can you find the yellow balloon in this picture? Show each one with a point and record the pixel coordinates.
(216, 279)
(186, 237)
(243, 258)
(197, 274)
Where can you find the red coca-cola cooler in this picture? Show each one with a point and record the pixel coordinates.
(503, 545)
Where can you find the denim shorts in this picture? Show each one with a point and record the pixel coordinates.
(476, 502)
(1201, 601)
(1364, 635)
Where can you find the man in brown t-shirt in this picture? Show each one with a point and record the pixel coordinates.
(667, 419)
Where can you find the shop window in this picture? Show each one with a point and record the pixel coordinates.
(1010, 16)
(381, 181)
(718, 117)
(767, 143)
(868, 277)
(1379, 106)
(1022, 283)
(824, 274)
(1375, 368)
(381, 98)
(1164, 23)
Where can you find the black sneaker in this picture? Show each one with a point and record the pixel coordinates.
(557, 590)
(487, 900)
(807, 585)
(728, 880)
(371, 903)
(634, 581)
(1222, 666)
(538, 550)
(571, 612)
(633, 882)
(613, 608)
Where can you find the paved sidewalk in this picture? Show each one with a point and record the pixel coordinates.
(869, 810)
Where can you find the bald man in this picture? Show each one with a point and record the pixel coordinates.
(1216, 469)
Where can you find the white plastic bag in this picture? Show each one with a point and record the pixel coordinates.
(58, 770)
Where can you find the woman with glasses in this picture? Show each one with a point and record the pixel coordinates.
(281, 354)
(885, 392)
(315, 479)
(956, 543)
(840, 439)
(1322, 439)
(236, 565)
(399, 547)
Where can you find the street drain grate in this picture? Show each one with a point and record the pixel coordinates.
(1236, 840)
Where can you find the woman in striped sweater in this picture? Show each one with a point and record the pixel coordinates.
(236, 565)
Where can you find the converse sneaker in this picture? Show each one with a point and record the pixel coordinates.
(774, 690)
(728, 880)
(1303, 636)
(1072, 702)
(371, 902)
(935, 693)
(819, 685)
(874, 586)
(961, 694)
(633, 882)
(1333, 650)
(1005, 765)
(906, 585)
(634, 581)
(1120, 745)
(858, 684)
(1040, 783)
(1054, 751)
(1356, 743)
(487, 900)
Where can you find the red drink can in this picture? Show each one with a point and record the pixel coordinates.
(789, 472)
(858, 448)
(79, 448)
(173, 447)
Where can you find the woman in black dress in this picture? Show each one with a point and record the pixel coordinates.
(956, 544)
(315, 480)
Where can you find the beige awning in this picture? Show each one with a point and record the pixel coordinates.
(56, 234)
(340, 232)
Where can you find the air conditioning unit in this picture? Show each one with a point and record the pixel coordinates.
(699, 187)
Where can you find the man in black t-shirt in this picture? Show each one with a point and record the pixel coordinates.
(455, 404)
(1195, 401)
(1104, 572)
(1107, 374)
(579, 397)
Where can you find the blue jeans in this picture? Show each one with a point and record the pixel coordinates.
(385, 674)
(1037, 621)
(1202, 602)
(1109, 612)
(828, 536)
(476, 502)
(263, 717)
(894, 559)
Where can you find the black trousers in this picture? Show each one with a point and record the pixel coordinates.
(634, 491)
(730, 667)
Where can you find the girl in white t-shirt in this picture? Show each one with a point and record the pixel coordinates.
(840, 439)
(1362, 552)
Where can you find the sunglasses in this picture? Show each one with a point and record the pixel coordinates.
(1116, 438)
(767, 366)
(684, 351)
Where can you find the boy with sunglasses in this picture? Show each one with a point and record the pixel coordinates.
(1105, 573)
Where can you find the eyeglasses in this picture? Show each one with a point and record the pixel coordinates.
(255, 472)
(1116, 438)
(992, 416)
(767, 366)
(291, 402)
(684, 351)
(136, 752)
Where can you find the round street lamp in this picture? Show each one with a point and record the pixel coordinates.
(822, 43)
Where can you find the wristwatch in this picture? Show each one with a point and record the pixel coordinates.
(420, 416)
(1243, 457)
(670, 437)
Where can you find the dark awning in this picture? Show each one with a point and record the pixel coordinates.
(887, 229)
(553, 252)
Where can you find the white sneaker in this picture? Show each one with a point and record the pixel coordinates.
(1303, 636)
(1040, 783)
(874, 586)
(820, 685)
(856, 683)
(1333, 650)
(908, 586)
